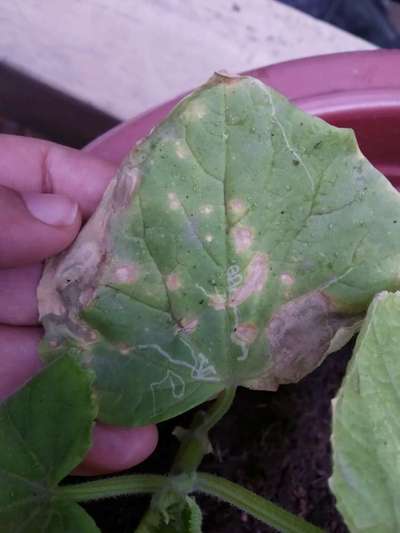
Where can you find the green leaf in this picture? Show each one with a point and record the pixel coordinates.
(366, 427)
(45, 431)
(239, 244)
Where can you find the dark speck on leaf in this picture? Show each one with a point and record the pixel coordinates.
(295, 162)
(317, 145)
(282, 212)
(394, 221)
(201, 302)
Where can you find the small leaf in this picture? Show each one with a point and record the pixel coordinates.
(239, 244)
(192, 516)
(366, 427)
(45, 431)
(173, 513)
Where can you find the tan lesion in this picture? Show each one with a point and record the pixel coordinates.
(242, 237)
(70, 280)
(255, 278)
(300, 334)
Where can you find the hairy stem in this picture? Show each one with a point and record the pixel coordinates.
(114, 486)
(247, 501)
(194, 446)
(194, 442)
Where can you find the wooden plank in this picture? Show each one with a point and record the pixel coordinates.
(124, 56)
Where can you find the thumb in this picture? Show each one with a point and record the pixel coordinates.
(35, 226)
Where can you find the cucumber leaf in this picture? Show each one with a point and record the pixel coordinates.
(45, 431)
(239, 244)
(366, 425)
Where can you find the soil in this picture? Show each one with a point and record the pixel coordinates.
(276, 444)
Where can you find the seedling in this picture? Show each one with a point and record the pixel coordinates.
(238, 245)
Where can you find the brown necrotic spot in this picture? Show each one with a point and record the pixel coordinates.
(244, 333)
(187, 325)
(79, 265)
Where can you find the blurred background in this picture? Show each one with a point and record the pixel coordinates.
(70, 70)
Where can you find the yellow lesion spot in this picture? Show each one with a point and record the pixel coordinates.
(173, 282)
(237, 206)
(206, 209)
(181, 150)
(242, 238)
(286, 279)
(195, 111)
(173, 201)
(126, 273)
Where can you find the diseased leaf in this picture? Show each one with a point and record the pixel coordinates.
(44, 433)
(366, 425)
(240, 243)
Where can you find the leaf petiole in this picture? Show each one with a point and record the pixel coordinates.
(109, 487)
(194, 441)
(264, 510)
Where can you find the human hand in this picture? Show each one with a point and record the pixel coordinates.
(46, 190)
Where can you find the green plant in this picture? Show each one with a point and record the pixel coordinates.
(238, 245)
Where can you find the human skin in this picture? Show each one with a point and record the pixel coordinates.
(46, 192)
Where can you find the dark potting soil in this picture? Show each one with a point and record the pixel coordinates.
(276, 444)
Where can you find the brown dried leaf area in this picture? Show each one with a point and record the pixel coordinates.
(300, 334)
(70, 280)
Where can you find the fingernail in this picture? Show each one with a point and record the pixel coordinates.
(52, 209)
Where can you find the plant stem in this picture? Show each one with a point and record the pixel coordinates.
(262, 509)
(114, 486)
(194, 446)
(195, 443)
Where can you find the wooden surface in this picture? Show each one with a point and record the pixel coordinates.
(124, 56)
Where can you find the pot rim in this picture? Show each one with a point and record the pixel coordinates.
(323, 85)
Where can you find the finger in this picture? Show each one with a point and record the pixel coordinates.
(18, 290)
(114, 448)
(37, 165)
(18, 357)
(117, 448)
(35, 226)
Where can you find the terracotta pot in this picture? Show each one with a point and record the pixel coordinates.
(360, 90)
